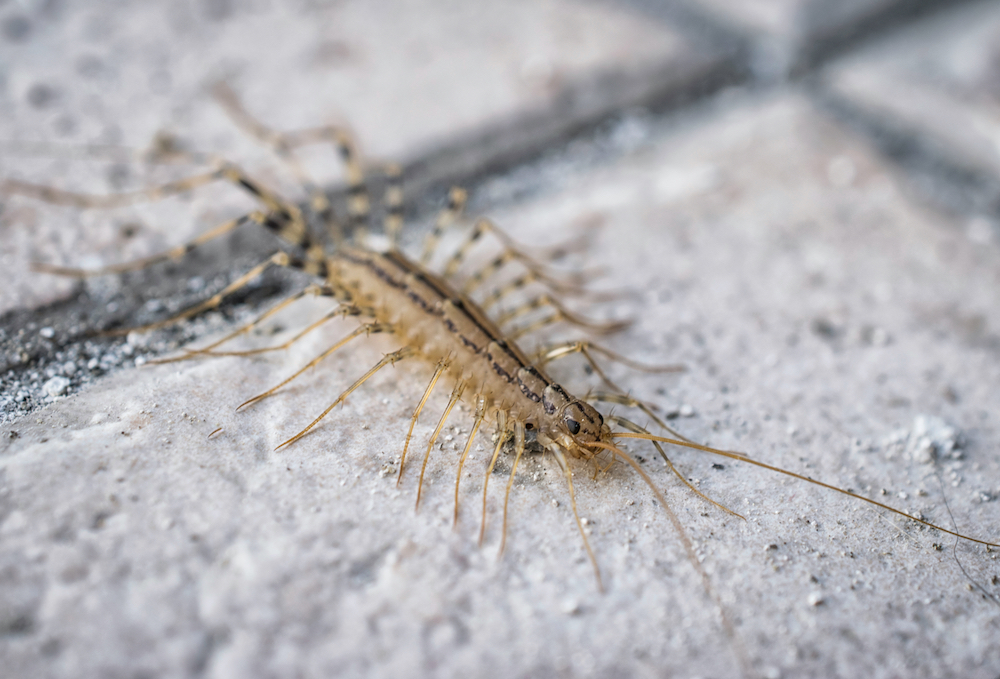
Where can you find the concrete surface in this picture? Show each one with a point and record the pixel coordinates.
(790, 37)
(937, 85)
(831, 322)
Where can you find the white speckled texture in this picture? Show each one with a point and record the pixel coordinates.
(816, 317)
(830, 322)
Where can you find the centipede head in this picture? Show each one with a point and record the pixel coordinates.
(572, 424)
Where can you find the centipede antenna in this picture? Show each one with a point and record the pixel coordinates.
(742, 458)
(632, 426)
(625, 400)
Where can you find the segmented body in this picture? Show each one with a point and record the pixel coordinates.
(445, 325)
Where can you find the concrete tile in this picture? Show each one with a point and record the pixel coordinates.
(937, 83)
(789, 35)
(411, 78)
(827, 324)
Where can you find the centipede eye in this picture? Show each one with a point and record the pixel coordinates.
(573, 425)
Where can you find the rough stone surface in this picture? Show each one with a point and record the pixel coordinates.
(786, 36)
(830, 322)
(937, 83)
(817, 312)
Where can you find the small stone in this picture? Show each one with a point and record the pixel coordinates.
(47, 332)
(56, 386)
(815, 599)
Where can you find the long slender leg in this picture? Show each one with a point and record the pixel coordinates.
(54, 196)
(519, 451)
(171, 254)
(207, 350)
(457, 198)
(571, 283)
(277, 259)
(568, 473)
(368, 328)
(563, 287)
(476, 422)
(632, 426)
(584, 347)
(502, 432)
(688, 547)
(438, 371)
(393, 223)
(388, 359)
(341, 311)
(560, 313)
(456, 394)
(284, 144)
(510, 254)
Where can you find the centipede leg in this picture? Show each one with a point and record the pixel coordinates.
(341, 311)
(583, 347)
(502, 431)
(568, 474)
(442, 366)
(278, 259)
(284, 144)
(207, 350)
(388, 359)
(457, 198)
(558, 313)
(632, 426)
(476, 422)
(171, 254)
(518, 452)
(366, 329)
(456, 394)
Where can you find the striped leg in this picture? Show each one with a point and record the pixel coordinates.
(568, 474)
(456, 394)
(503, 430)
(518, 452)
(457, 198)
(442, 366)
(389, 359)
(366, 329)
(477, 421)
(558, 313)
